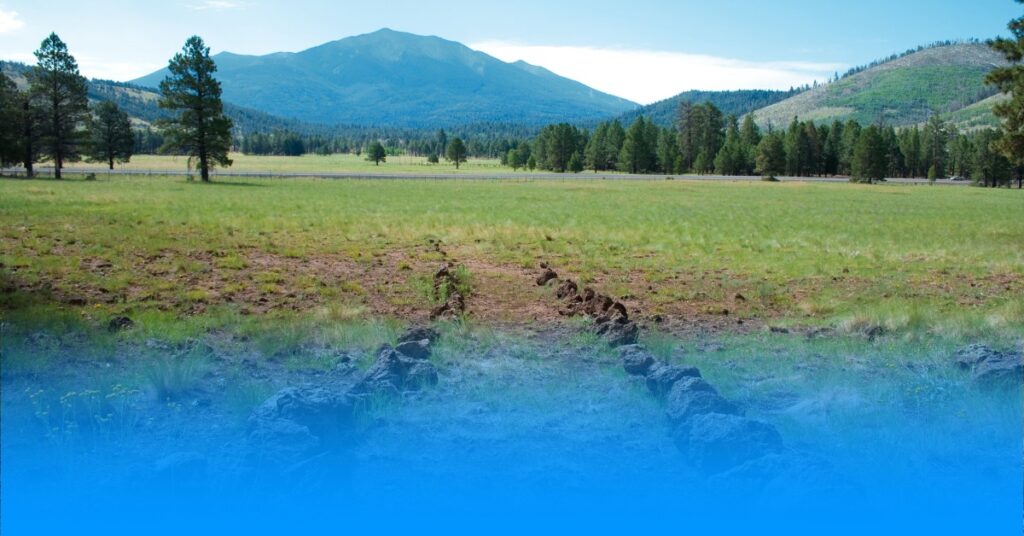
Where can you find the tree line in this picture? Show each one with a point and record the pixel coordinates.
(52, 120)
(706, 142)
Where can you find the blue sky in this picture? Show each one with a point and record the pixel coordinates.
(641, 49)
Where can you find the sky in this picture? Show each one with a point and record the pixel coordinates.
(642, 50)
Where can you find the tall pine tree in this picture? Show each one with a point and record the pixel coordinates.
(60, 103)
(1010, 80)
(111, 138)
(201, 129)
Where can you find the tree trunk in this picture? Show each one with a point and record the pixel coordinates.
(58, 163)
(110, 162)
(204, 166)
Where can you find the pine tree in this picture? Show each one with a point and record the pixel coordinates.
(10, 122)
(60, 103)
(111, 138)
(910, 147)
(1010, 80)
(513, 159)
(375, 153)
(750, 137)
(797, 150)
(989, 166)
(201, 130)
(851, 133)
(442, 143)
(456, 152)
(869, 162)
(596, 151)
(729, 160)
(668, 151)
(935, 146)
(616, 138)
(576, 163)
(688, 135)
(771, 155)
(832, 149)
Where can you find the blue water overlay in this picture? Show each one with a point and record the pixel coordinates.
(431, 485)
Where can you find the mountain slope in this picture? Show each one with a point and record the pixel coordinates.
(903, 91)
(739, 103)
(390, 78)
(142, 105)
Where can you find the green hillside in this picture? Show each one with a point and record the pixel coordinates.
(902, 91)
(142, 105)
(397, 79)
(976, 116)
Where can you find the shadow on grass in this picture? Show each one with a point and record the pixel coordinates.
(215, 183)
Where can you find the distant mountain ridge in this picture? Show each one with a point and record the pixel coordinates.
(142, 105)
(390, 78)
(734, 102)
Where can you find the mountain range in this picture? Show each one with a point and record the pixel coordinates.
(390, 83)
(390, 78)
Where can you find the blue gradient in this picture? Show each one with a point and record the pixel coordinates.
(962, 480)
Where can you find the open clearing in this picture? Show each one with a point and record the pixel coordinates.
(727, 256)
(309, 163)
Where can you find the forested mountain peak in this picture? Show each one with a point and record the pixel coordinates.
(391, 78)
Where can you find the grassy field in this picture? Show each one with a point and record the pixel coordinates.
(184, 256)
(310, 163)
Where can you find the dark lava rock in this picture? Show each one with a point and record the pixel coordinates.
(281, 442)
(716, 442)
(994, 372)
(326, 413)
(619, 334)
(297, 422)
(690, 397)
(991, 367)
(597, 305)
(971, 355)
(567, 289)
(636, 360)
(546, 277)
(394, 372)
(420, 333)
(451, 309)
(120, 323)
(661, 379)
(415, 349)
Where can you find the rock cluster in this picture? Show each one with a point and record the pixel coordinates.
(446, 289)
(298, 422)
(610, 316)
(990, 367)
(710, 430)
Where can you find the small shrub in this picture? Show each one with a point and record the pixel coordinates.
(173, 376)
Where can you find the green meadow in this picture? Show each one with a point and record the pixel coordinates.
(903, 260)
(311, 164)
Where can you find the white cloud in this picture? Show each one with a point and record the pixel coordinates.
(10, 22)
(113, 70)
(217, 5)
(647, 76)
